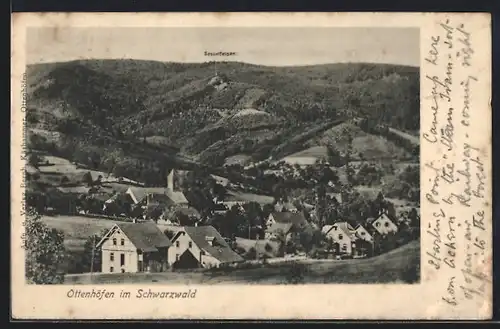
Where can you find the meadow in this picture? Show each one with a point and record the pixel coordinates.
(401, 265)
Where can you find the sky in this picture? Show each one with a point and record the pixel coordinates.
(265, 46)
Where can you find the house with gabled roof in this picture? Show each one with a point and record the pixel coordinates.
(159, 195)
(287, 206)
(166, 196)
(134, 247)
(279, 231)
(171, 216)
(200, 247)
(289, 224)
(120, 199)
(364, 241)
(343, 236)
(296, 218)
(384, 225)
(363, 233)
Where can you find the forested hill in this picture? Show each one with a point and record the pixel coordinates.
(189, 107)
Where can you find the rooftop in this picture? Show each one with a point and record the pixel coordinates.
(145, 236)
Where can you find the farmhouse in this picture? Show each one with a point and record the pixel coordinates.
(119, 197)
(158, 195)
(220, 180)
(119, 203)
(336, 196)
(287, 206)
(134, 247)
(384, 225)
(200, 246)
(343, 236)
(278, 230)
(362, 233)
(171, 216)
(288, 224)
(296, 218)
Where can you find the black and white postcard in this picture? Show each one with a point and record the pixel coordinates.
(259, 166)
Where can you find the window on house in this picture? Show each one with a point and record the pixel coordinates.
(123, 270)
(114, 241)
(341, 236)
(111, 269)
(177, 257)
(122, 242)
(190, 244)
(362, 233)
(177, 244)
(377, 224)
(112, 257)
(122, 259)
(344, 247)
(386, 224)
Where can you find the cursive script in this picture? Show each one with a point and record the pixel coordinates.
(455, 174)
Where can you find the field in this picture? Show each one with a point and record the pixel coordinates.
(369, 146)
(401, 265)
(77, 228)
(248, 197)
(414, 139)
(53, 168)
(241, 159)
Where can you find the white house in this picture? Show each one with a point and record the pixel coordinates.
(384, 225)
(200, 246)
(296, 218)
(279, 206)
(134, 247)
(343, 234)
(279, 230)
(362, 233)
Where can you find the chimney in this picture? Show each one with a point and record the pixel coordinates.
(170, 180)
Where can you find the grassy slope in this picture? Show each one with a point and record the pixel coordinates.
(77, 229)
(394, 267)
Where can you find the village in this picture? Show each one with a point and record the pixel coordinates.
(206, 221)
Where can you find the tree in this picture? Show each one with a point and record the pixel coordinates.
(219, 192)
(253, 214)
(345, 138)
(64, 179)
(91, 258)
(334, 156)
(34, 159)
(414, 218)
(87, 178)
(44, 251)
(290, 247)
